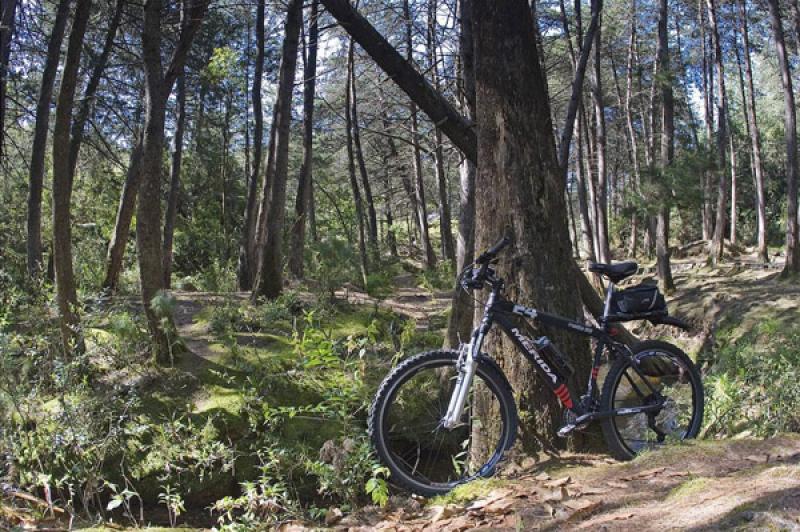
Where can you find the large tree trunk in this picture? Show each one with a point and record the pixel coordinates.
(522, 193)
(351, 170)
(304, 185)
(792, 266)
(667, 153)
(8, 12)
(416, 160)
(755, 140)
(39, 147)
(247, 247)
(458, 129)
(66, 293)
(718, 238)
(269, 281)
(176, 157)
(461, 313)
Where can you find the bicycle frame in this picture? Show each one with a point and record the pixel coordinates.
(498, 311)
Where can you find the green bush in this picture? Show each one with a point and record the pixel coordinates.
(754, 385)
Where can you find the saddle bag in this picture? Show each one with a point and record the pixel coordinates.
(636, 302)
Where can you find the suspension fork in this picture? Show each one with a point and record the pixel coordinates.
(467, 364)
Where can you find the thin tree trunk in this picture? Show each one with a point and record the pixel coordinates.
(733, 189)
(755, 140)
(66, 293)
(8, 12)
(445, 224)
(372, 217)
(667, 154)
(517, 167)
(632, 142)
(717, 241)
(601, 199)
(792, 266)
(419, 185)
(351, 171)
(461, 314)
(402, 72)
(708, 116)
(269, 281)
(247, 246)
(303, 200)
(39, 146)
(173, 196)
(87, 102)
(158, 86)
(125, 210)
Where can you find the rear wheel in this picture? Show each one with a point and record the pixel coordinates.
(405, 423)
(658, 373)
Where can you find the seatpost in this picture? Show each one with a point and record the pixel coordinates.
(607, 306)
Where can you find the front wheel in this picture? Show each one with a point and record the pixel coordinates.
(405, 423)
(660, 375)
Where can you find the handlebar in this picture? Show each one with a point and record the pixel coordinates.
(492, 252)
(474, 278)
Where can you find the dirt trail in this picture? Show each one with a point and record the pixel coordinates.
(721, 485)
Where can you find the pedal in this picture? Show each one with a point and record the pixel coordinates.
(573, 423)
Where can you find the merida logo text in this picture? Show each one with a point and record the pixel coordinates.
(531, 348)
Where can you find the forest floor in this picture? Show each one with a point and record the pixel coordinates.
(744, 482)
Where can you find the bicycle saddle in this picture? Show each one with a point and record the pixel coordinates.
(614, 272)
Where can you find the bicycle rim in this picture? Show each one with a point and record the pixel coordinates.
(660, 373)
(424, 453)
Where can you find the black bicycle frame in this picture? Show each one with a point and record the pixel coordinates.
(499, 310)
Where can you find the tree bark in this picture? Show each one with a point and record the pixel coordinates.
(269, 280)
(517, 170)
(247, 246)
(667, 154)
(39, 146)
(8, 12)
(792, 266)
(66, 293)
(632, 141)
(441, 112)
(303, 200)
(755, 139)
(173, 197)
(718, 238)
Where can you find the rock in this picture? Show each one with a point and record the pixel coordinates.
(333, 516)
(442, 512)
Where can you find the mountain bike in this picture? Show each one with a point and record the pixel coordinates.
(446, 417)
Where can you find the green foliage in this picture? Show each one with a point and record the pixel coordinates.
(755, 384)
(441, 277)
